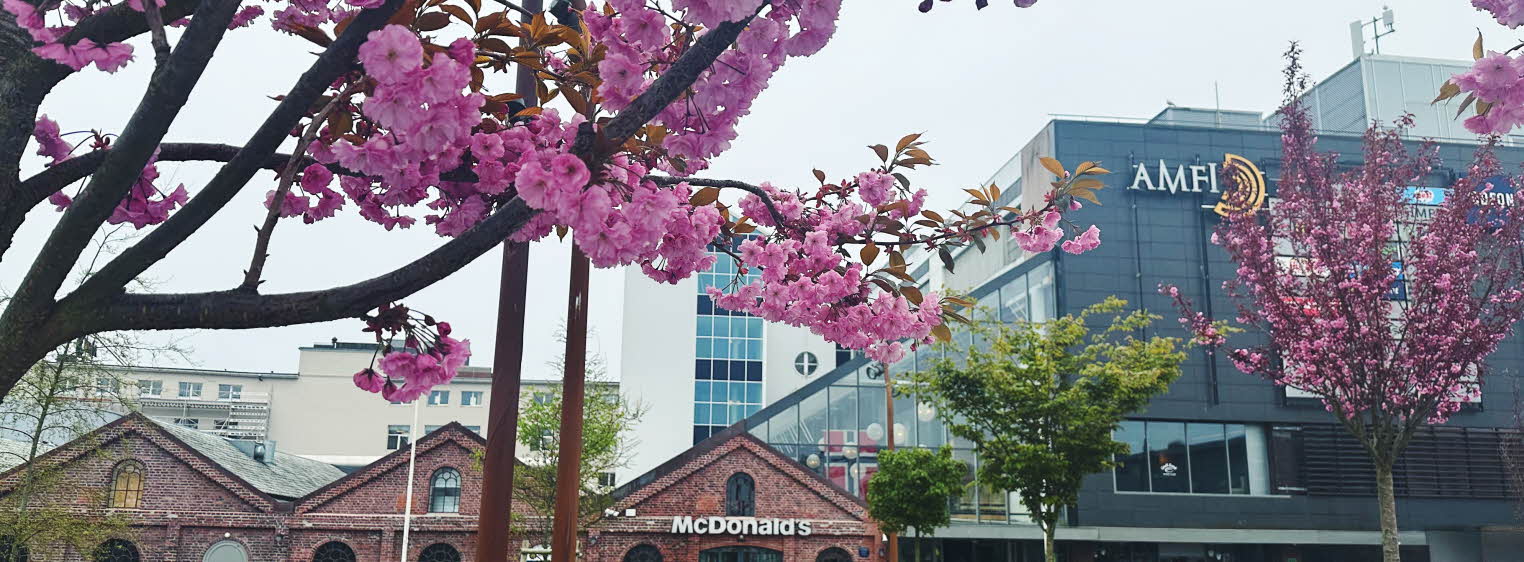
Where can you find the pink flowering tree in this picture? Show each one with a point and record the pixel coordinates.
(408, 116)
(1383, 309)
(1494, 86)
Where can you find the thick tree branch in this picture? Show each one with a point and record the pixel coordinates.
(25, 79)
(167, 92)
(241, 168)
(156, 32)
(245, 309)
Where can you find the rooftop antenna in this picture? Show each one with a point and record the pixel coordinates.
(1357, 31)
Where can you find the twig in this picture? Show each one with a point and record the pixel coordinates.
(730, 184)
(516, 8)
(278, 201)
(156, 31)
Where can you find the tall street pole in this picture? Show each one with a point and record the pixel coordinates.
(893, 549)
(563, 542)
(492, 533)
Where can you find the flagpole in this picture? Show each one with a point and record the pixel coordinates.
(412, 461)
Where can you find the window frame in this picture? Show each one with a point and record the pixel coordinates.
(228, 392)
(450, 473)
(472, 398)
(438, 398)
(395, 440)
(336, 555)
(737, 505)
(184, 386)
(135, 489)
(144, 385)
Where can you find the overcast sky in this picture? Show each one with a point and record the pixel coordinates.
(979, 84)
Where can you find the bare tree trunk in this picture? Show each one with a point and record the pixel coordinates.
(1049, 550)
(1386, 496)
(917, 547)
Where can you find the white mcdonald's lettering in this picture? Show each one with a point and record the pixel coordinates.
(690, 525)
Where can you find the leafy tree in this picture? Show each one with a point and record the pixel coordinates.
(912, 488)
(408, 115)
(1040, 400)
(1384, 310)
(607, 446)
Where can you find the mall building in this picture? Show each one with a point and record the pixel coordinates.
(1225, 466)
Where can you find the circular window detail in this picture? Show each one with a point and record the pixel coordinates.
(806, 363)
(226, 551)
(833, 554)
(439, 552)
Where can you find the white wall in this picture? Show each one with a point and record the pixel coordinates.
(656, 366)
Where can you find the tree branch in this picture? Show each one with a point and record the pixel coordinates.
(167, 92)
(673, 83)
(244, 309)
(767, 200)
(240, 169)
(156, 32)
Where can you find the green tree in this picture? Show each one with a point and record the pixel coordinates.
(912, 488)
(1040, 400)
(607, 445)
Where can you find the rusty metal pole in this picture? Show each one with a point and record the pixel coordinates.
(563, 541)
(894, 539)
(493, 540)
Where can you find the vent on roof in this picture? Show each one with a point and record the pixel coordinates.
(262, 451)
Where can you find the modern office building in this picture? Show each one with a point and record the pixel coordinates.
(1225, 466)
(698, 368)
(315, 411)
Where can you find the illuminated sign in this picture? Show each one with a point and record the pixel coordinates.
(1246, 194)
(689, 525)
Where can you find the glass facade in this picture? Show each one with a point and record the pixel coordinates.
(727, 371)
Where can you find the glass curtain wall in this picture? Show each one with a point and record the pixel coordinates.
(837, 428)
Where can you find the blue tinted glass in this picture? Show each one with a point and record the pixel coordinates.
(701, 413)
(717, 391)
(738, 349)
(754, 392)
(752, 409)
(701, 391)
(701, 348)
(738, 370)
(737, 413)
(754, 327)
(705, 326)
(721, 349)
(738, 327)
(754, 370)
(721, 327)
(738, 392)
(704, 305)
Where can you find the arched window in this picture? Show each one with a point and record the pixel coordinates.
(444, 491)
(740, 554)
(333, 551)
(126, 485)
(643, 553)
(226, 551)
(833, 554)
(740, 495)
(115, 550)
(12, 550)
(439, 552)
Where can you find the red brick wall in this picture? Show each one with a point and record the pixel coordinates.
(384, 492)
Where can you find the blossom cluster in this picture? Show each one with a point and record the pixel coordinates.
(1507, 12)
(428, 355)
(145, 204)
(1496, 79)
(639, 47)
(109, 57)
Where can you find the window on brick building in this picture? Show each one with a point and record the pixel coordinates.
(833, 554)
(333, 551)
(226, 551)
(643, 553)
(396, 436)
(126, 485)
(439, 552)
(12, 550)
(115, 550)
(740, 495)
(444, 491)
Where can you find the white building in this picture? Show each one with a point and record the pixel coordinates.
(315, 412)
(698, 369)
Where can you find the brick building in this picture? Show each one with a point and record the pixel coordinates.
(192, 496)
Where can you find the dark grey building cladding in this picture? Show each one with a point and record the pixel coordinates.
(1153, 237)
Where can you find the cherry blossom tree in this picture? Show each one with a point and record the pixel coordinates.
(1383, 311)
(402, 118)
